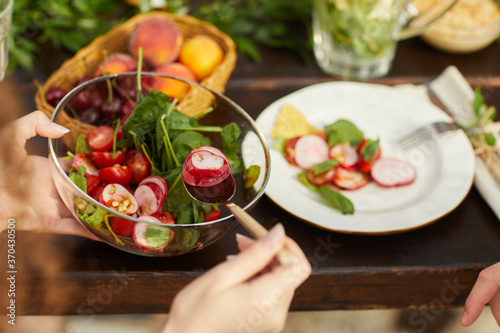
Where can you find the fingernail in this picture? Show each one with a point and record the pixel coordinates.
(275, 234)
(230, 256)
(240, 236)
(463, 320)
(59, 128)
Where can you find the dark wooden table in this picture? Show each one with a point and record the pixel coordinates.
(432, 267)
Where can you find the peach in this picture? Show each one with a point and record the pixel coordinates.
(171, 87)
(160, 40)
(117, 63)
(202, 55)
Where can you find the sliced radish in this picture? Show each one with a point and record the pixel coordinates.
(150, 198)
(84, 159)
(310, 150)
(390, 172)
(160, 181)
(118, 198)
(211, 149)
(322, 178)
(203, 168)
(151, 237)
(345, 154)
(350, 179)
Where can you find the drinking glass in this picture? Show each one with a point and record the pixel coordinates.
(356, 39)
(5, 20)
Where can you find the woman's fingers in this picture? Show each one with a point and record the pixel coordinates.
(487, 285)
(38, 123)
(495, 307)
(35, 123)
(297, 273)
(247, 263)
(244, 242)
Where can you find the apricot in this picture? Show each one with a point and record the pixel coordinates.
(202, 55)
(171, 87)
(117, 63)
(160, 40)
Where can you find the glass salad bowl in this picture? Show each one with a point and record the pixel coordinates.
(159, 128)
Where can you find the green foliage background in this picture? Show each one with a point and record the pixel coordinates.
(40, 26)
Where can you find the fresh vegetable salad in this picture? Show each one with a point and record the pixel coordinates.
(341, 157)
(132, 164)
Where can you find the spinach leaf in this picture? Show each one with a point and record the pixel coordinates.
(343, 131)
(369, 149)
(303, 179)
(178, 202)
(178, 119)
(186, 237)
(230, 134)
(336, 200)
(144, 118)
(186, 216)
(324, 167)
(187, 141)
(332, 197)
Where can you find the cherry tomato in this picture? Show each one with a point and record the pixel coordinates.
(139, 163)
(92, 182)
(212, 215)
(117, 174)
(121, 227)
(290, 150)
(103, 159)
(166, 217)
(101, 138)
(96, 192)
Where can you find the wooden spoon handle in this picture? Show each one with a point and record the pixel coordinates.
(284, 256)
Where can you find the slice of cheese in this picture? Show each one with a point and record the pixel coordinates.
(291, 123)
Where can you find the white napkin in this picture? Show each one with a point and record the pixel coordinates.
(457, 95)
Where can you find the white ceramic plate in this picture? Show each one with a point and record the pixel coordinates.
(445, 169)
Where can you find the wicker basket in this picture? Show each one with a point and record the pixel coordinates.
(86, 61)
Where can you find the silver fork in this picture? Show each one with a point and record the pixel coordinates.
(432, 131)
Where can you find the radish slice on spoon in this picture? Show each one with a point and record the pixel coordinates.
(203, 168)
(391, 172)
(211, 149)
